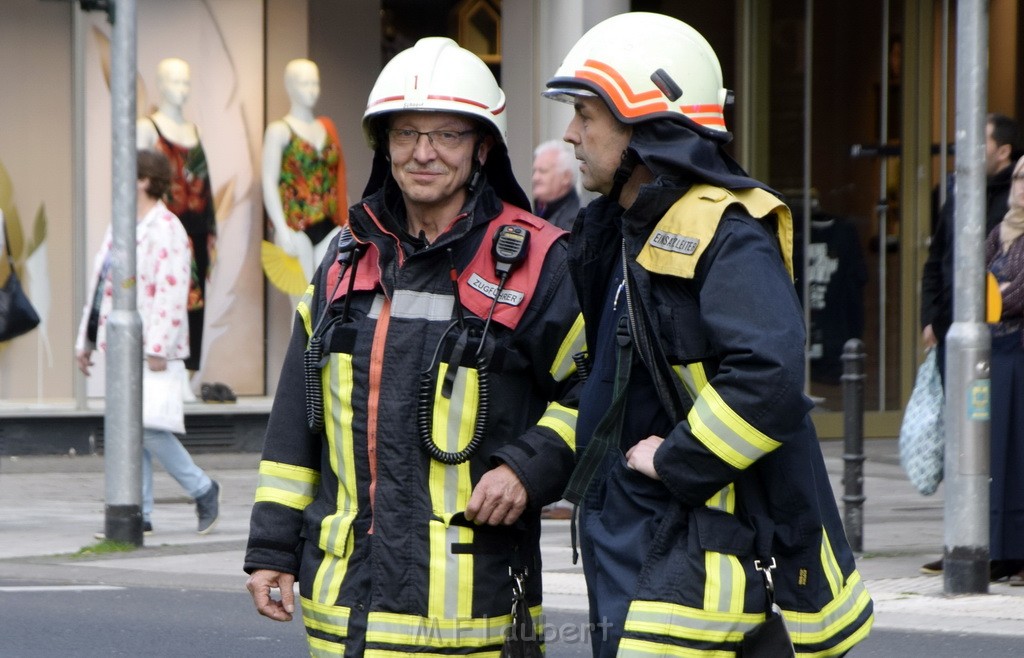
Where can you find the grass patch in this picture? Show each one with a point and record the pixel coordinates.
(104, 547)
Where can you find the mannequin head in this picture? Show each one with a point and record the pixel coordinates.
(302, 82)
(173, 80)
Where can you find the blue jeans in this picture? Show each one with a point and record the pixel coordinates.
(176, 461)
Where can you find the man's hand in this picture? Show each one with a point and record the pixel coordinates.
(499, 498)
(259, 585)
(641, 456)
(928, 338)
(84, 358)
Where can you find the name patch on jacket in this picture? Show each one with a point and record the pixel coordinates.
(690, 224)
(679, 244)
(510, 297)
(475, 280)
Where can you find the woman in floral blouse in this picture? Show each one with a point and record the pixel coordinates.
(163, 263)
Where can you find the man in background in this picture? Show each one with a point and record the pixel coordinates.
(554, 184)
(1002, 143)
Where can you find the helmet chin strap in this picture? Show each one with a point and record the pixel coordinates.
(622, 174)
(476, 172)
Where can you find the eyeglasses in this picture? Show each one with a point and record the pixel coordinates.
(444, 139)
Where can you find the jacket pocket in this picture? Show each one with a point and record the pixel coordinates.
(721, 532)
(682, 337)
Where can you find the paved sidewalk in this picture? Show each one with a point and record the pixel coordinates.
(51, 506)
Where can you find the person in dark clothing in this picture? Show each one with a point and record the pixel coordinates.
(554, 184)
(1002, 142)
(699, 460)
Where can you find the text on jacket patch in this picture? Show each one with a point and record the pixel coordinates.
(510, 297)
(673, 242)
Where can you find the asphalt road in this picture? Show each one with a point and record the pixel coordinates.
(43, 619)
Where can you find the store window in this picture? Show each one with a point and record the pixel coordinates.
(473, 24)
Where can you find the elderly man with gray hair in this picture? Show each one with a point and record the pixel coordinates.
(554, 183)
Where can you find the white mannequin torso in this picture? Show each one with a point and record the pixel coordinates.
(172, 125)
(302, 84)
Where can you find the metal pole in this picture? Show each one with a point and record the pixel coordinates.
(968, 343)
(123, 415)
(883, 210)
(853, 442)
(808, 212)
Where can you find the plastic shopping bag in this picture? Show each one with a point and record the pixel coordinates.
(163, 405)
(922, 435)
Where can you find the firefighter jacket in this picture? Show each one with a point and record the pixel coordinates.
(372, 525)
(716, 326)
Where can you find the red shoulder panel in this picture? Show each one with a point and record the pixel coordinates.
(478, 283)
(367, 273)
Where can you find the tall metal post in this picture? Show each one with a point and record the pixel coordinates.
(853, 442)
(123, 416)
(968, 344)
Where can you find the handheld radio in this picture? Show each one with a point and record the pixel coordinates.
(509, 248)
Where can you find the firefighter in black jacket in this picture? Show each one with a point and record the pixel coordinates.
(426, 409)
(701, 480)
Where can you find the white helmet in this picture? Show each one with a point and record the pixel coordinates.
(436, 75)
(646, 66)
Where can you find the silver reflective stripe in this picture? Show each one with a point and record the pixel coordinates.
(376, 307)
(410, 305)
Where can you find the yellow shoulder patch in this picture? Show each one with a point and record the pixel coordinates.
(682, 235)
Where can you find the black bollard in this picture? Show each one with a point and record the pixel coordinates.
(853, 442)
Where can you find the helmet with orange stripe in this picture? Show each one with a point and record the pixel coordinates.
(436, 75)
(646, 66)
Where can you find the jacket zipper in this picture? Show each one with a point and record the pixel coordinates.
(634, 327)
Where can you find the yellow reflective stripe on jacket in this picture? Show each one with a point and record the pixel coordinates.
(630, 647)
(725, 433)
(725, 584)
(441, 632)
(450, 586)
(387, 653)
(286, 484)
(806, 628)
(575, 341)
(304, 308)
(320, 648)
(829, 565)
(562, 421)
(336, 538)
(814, 627)
(724, 500)
(331, 619)
(685, 622)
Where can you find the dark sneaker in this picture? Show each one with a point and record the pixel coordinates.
(147, 530)
(932, 568)
(208, 508)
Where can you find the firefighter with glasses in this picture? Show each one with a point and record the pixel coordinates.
(426, 409)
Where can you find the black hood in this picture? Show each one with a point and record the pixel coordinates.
(497, 170)
(673, 151)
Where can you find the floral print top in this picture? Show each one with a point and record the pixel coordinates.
(309, 181)
(190, 198)
(162, 262)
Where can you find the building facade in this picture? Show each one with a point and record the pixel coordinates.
(844, 109)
